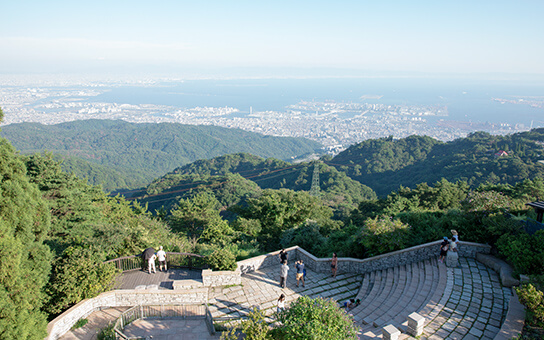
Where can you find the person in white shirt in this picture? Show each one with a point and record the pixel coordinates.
(283, 274)
(281, 303)
(161, 254)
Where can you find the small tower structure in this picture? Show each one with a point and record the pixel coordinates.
(315, 190)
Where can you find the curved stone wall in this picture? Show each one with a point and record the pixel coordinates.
(122, 298)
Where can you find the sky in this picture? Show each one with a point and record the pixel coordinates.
(372, 37)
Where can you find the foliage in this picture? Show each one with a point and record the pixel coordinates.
(279, 210)
(533, 298)
(383, 234)
(107, 333)
(24, 258)
(524, 251)
(80, 323)
(234, 178)
(222, 259)
(386, 164)
(78, 275)
(317, 318)
(199, 217)
(488, 201)
(139, 150)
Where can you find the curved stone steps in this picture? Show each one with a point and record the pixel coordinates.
(427, 275)
(391, 279)
(389, 299)
(411, 289)
(375, 287)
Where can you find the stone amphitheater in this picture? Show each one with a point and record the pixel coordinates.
(467, 301)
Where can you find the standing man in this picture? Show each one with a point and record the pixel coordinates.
(334, 264)
(283, 274)
(161, 254)
(300, 272)
(283, 256)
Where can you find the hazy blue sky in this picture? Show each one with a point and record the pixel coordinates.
(371, 36)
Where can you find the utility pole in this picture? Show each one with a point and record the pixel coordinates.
(314, 190)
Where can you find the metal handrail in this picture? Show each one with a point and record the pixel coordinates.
(155, 311)
(173, 259)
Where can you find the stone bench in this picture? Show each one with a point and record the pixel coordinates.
(502, 268)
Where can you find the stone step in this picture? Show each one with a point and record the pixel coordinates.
(392, 299)
(391, 281)
(412, 281)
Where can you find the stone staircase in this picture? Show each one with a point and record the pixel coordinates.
(464, 302)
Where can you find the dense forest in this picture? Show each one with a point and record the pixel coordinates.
(245, 175)
(386, 164)
(129, 155)
(57, 229)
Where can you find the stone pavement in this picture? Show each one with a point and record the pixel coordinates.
(467, 302)
(261, 289)
(96, 322)
(170, 329)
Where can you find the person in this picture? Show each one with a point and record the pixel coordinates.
(146, 255)
(161, 255)
(454, 244)
(300, 272)
(283, 256)
(349, 304)
(281, 303)
(444, 246)
(334, 264)
(283, 274)
(151, 264)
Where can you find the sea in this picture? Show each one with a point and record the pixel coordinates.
(467, 100)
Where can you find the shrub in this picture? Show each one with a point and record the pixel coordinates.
(318, 318)
(383, 234)
(534, 300)
(222, 259)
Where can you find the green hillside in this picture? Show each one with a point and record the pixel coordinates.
(337, 189)
(386, 164)
(135, 154)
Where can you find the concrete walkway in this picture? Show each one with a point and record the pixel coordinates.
(96, 322)
(170, 329)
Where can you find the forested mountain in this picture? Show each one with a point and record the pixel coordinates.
(386, 164)
(247, 174)
(138, 153)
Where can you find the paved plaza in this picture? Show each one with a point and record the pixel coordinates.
(467, 302)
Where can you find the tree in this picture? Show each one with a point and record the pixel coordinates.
(199, 217)
(24, 259)
(317, 318)
(279, 210)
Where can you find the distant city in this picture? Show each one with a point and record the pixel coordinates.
(334, 124)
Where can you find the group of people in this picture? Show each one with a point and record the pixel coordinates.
(301, 270)
(449, 245)
(150, 256)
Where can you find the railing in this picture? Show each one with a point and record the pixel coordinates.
(532, 226)
(173, 260)
(159, 312)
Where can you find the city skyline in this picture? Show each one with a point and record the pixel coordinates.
(298, 38)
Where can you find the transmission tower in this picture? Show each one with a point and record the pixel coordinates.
(314, 190)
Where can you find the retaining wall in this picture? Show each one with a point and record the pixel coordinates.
(389, 260)
(123, 298)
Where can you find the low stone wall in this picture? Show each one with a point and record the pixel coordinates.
(262, 261)
(502, 268)
(123, 298)
(352, 265)
(221, 278)
(514, 321)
